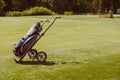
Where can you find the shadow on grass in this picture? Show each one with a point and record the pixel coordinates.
(47, 63)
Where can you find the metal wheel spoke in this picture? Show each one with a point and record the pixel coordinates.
(42, 56)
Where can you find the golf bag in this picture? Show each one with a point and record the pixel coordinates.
(23, 45)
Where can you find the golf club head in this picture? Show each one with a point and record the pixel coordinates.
(41, 21)
(59, 17)
(47, 21)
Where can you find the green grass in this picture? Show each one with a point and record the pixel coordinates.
(78, 48)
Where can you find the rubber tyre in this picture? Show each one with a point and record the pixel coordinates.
(41, 56)
(32, 53)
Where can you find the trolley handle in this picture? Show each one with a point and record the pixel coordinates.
(50, 26)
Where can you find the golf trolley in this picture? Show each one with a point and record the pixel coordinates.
(25, 47)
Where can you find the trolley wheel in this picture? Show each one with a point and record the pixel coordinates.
(32, 54)
(41, 56)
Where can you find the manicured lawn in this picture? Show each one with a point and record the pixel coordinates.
(78, 48)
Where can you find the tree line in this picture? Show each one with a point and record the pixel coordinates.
(60, 6)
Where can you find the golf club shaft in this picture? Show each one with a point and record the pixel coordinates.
(43, 23)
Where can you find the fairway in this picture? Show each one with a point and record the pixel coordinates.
(77, 47)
